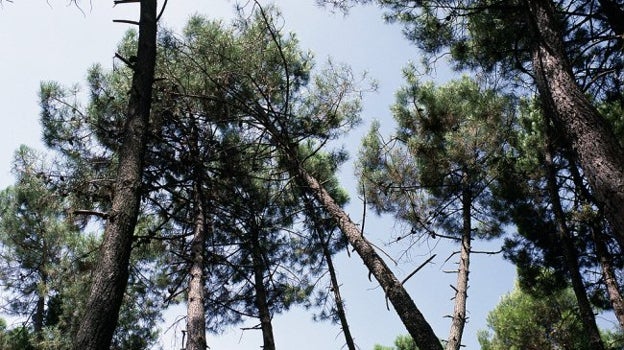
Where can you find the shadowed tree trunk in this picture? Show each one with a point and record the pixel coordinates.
(196, 314)
(599, 153)
(602, 252)
(569, 253)
(110, 277)
(262, 302)
(461, 291)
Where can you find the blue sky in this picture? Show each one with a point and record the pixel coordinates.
(54, 41)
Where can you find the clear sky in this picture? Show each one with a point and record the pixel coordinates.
(55, 41)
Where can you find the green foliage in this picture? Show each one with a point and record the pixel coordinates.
(402, 342)
(524, 321)
(450, 140)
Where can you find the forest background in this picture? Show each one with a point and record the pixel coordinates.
(58, 42)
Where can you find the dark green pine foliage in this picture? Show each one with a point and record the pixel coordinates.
(553, 239)
(213, 81)
(540, 322)
(436, 172)
(38, 244)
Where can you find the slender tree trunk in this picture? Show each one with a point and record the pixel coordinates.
(111, 274)
(608, 276)
(599, 152)
(340, 310)
(262, 302)
(196, 314)
(324, 242)
(604, 257)
(410, 315)
(569, 252)
(38, 317)
(461, 291)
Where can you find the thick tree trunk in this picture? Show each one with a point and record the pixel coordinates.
(196, 314)
(571, 258)
(461, 288)
(410, 315)
(111, 274)
(599, 153)
(262, 302)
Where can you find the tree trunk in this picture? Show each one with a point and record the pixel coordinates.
(110, 277)
(410, 315)
(340, 310)
(38, 317)
(262, 303)
(602, 253)
(608, 276)
(196, 314)
(599, 153)
(461, 291)
(569, 252)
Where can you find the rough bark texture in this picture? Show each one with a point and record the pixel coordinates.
(410, 315)
(571, 257)
(262, 302)
(461, 291)
(110, 277)
(195, 313)
(599, 153)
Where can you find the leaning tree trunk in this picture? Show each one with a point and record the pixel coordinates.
(461, 288)
(110, 277)
(569, 254)
(599, 152)
(410, 315)
(602, 252)
(262, 302)
(335, 286)
(340, 309)
(608, 275)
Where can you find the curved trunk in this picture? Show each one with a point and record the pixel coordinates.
(461, 288)
(110, 277)
(599, 152)
(262, 302)
(569, 253)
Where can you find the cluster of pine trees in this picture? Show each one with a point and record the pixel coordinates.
(198, 171)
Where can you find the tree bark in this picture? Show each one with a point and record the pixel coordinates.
(599, 153)
(340, 309)
(195, 313)
(569, 253)
(410, 315)
(602, 252)
(461, 291)
(608, 276)
(110, 277)
(262, 302)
